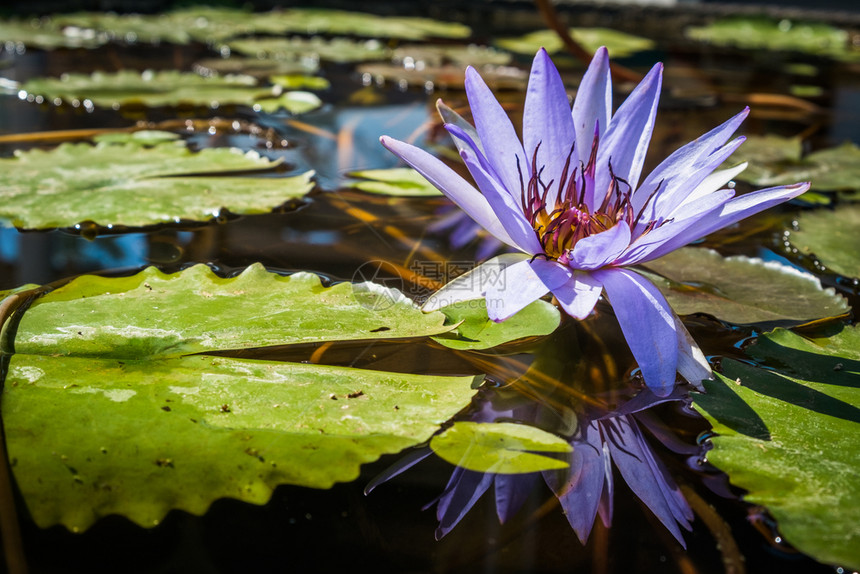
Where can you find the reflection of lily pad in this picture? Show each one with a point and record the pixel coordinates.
(164, 88)
(774, 160)
(133, 185)
(105, 411)
(619, 44)
(797, 455)
(742, 290)
(299, 49)
(767, 34)
(397, 181)
(501, 448)
(832, 236)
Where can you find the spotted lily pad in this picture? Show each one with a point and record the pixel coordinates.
(500, 448)
(831, 236)
(619, 44)
(742, 290)
(788, 436)
(129, 184)
(108, 410)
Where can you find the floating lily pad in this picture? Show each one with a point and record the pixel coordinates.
(296, 49)
(152, 89)
(476, 331)
(619, 44)
(448, 76)
(777, 161)
(105, 411)
(131, 185)
(789, 437)
(423, 55)
(742, 290)
(756, 33)
(255, 67)
(196, 311)
(831, 235)
(501, 448)
(126, 28)
(300, 82)
(397, 181)
(295, 102)
(43, 33)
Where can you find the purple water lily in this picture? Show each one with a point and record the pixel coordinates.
(568, 197)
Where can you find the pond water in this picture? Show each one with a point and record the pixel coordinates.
(344, 234)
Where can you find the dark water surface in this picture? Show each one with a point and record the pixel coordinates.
(306, 530)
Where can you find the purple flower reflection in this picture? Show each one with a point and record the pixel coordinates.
(586, 489)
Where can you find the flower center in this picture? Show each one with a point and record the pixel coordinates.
(561, 222)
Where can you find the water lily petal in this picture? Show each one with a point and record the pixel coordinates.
(579, 295)
(522, 283)
(646, 476)
(474, 283)
(449, 116)
(652, 244)
(579, 489)
(462, 492)
(547, 122)
(496, 133)
(600, 249)
(685, 160)
(593, 103)
(627, 137)
(648, 325)
(692, 364)
(507, 211)
(676, 198)
(731, 212)
(452, 185)
(713, 182)
(512, 490)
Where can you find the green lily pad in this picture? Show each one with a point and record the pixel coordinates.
(422, 55)
(300, 82)
(476, 331)
(295, 102)
(127, 28)
(619, 44)
(501, 448)
(44, 33)
(789, 437)
(758, 33)
(108, 410)
(196, 311)
(742, 290)
(255, 67)
(151, 89)
(90, 437)
(396, 181)
(831, 235)
(774, 160)
(335, 50)
(132, 185)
